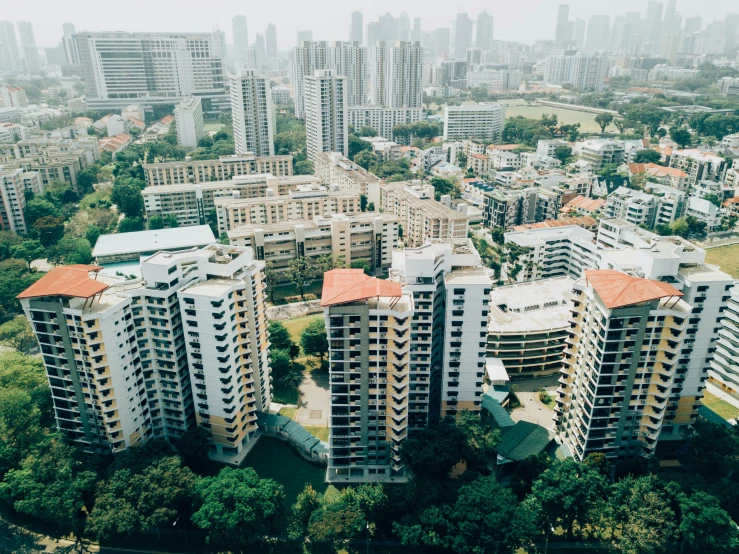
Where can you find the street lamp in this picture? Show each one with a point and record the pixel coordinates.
(546, 544)
(184, 526)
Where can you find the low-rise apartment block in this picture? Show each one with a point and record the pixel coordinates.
(420, 216)
(367, 236)
(381, 119)
(187, 345)
(484, 121)
(332, 168)
(222, 169)
(698, 165)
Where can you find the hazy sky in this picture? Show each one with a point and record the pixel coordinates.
(522, 20)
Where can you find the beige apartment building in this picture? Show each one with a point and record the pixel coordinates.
(420, 216)
(368, 236)
(222, 169)
(332, 168)
(303, 203)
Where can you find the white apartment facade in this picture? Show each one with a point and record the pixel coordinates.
(484, 121)
(222, 169)
(188, 116)
(382, 119)
(335, 170)
(326, 125)
(13, 186)
(253, 114)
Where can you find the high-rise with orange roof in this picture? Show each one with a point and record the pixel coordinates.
(620, 364)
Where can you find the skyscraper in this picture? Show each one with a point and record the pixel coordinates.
(443, 40)
(241, 37)
(304, 60)
(69, 41)
(462, 36)
(355, 30)
(304, 36)
(271, 39)
(579, 35)
(404, 27)
(10, 58)
(397, 75)
(28, 45)
(484, 31)
(416, 32)
(349, 59)
(253, 114)
(563, 32)
(326, 124)
(598, 32)
(653, 23)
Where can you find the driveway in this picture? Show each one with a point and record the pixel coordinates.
(531, 409)
(315, 400)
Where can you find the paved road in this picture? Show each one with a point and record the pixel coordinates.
(315, 399)
(531, 409)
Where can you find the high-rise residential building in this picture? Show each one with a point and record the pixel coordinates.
(326, 125)
(129, 363)
(13, 97)
(356, 28)
(222, 169)
(587, 71)
(564, 29)
(382, 120)
(69, 42)
(484, 35)
(397, 75)
(462, 35)
(253, 114)
(620, 364)
(28, 45)
(13, 186)
(305, 59)
(349, 59)
(599, 27)
(271, 41)
(442, 42)
(653, 24)
(304, 36)
(119, 70)
(188, 116)
(416, 32)
(579, 33)
(10, 58)
(240, 36)
(483, 121)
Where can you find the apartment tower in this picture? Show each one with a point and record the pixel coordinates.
(326, 126)
(253, 114)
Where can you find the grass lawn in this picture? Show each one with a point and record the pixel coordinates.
(318, 432)
(721, 407)
(586, 120)
(282, 291)
(213, 126)
(284, 395)
(274, 459)
(289, 412)
(725, 256)
(296, 326)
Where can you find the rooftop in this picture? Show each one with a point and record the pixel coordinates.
(148, 241)
(344, 286)
(583, 222)
(530, 307)
(71, 281)
(522, 440)
(617, 289)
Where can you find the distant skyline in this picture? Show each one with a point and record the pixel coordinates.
(523, 21)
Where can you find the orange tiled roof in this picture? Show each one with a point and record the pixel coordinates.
(67, 280)
(585, 222)
(342, 286)
(503, 146)
(479, 156)
(730, 201)
(587, 204)
(656, 170)
(167, 119)
(617, 289)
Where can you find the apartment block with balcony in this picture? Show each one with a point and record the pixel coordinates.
(368, 322)
(620, 364)
(333, 169)
(222, 169)
(13, 186)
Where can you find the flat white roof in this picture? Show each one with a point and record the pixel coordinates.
(150, 241)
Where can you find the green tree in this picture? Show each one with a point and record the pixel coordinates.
(362, 264)
(563, 154)
(300, 273)
(14, 279)
(444, 186)
(279, 336)
(650, 117)
(128, 199)
(566, 491)
(366, 131)
(156, 222)
(681, 136)
(498, 235)
(434, 451)
(49, 230)
(270, 280)
(704, 525)
(93, 234)
(603, 120)
(365, 159)
(307, 502)
(18, 335)
(647, 156)
(313, 339)
(327, 262)
(363, 202)
(303, 167)
(607, 170)
(713, 199)
(461, 159)
(130, 224)
(171, 222)
(38, 208)
(280, 363)
(28, 250)
(193, 447)
(72, 250)
(357, 145)
(237, 508)
(51, 485)
(27, 374)
(20, 427)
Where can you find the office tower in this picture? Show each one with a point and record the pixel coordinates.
(483, 121)
(416, 33)
(373, 30)
(404, 27)
(671, 20)
(462, 35)
(356, 28)
(397, 75)
(260, 47)
(305, 59)
(619, 365)
(253, 114)
(443, 38)
(693, 25)
(326, 126)
(349, 59)
(10, 57)
(563, 32)
(69, 41)
(118, 68)
(387, 28)
(579, 33)
(304, 36)
(484, 35)
(114, 354)
(241, 37)
(368, 322)
(188, 117)
(598, 31)
(28, 45)
(271, 41)
(653, 23)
